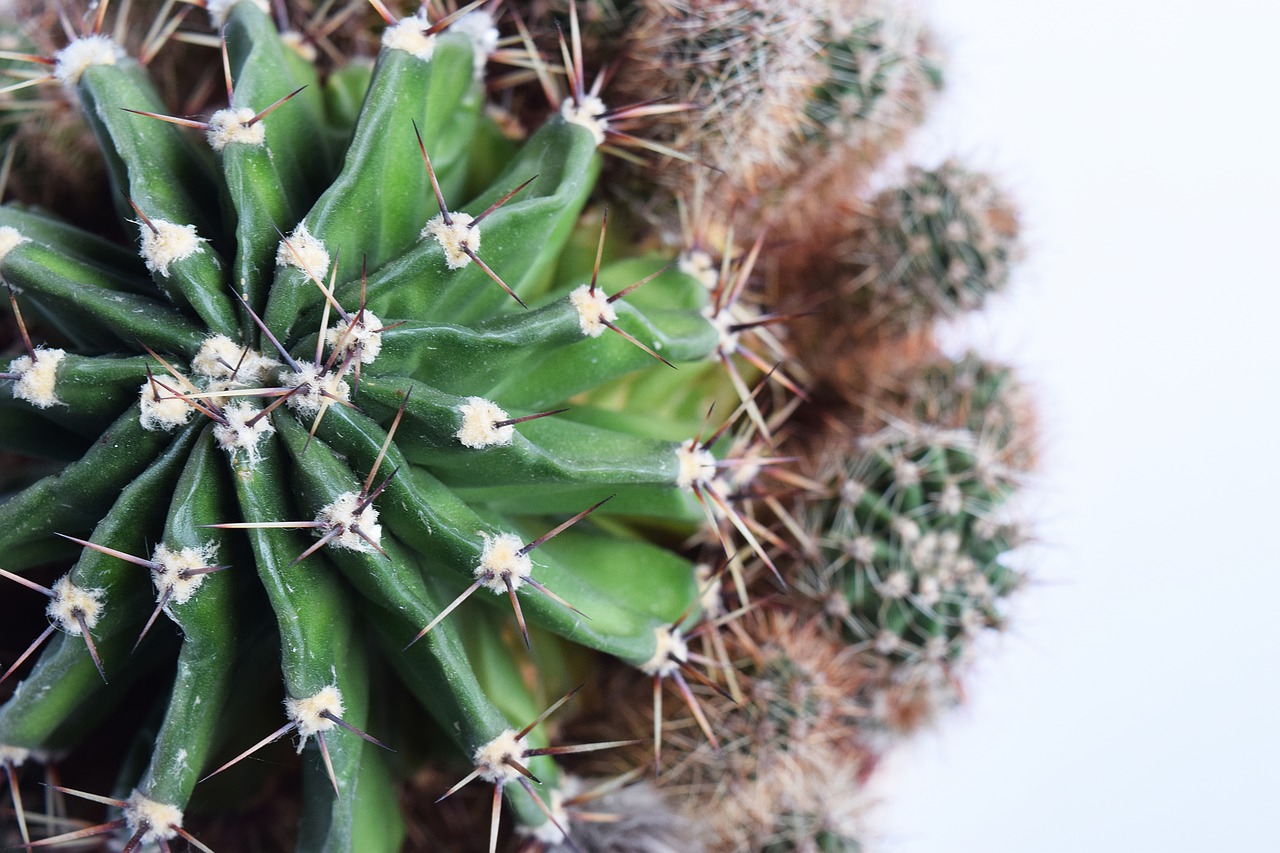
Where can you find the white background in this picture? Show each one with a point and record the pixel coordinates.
(1134, 704)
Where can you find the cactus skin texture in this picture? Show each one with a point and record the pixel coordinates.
(939, 244)
(300, 413)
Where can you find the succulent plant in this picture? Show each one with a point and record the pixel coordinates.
(937, 245)
(312, 417)
(916, 526)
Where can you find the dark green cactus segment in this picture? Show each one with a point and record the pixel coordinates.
(98, 315)
(101, 259)
(110, 596)
(202, 602)
(29, 520)
(916, 541)
(263, 70)
(942, 243)
(979, 395)
(170, 182)
(881, 76)
(381, 197)
(88, 393)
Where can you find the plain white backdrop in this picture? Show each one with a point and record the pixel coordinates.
(1133, 705)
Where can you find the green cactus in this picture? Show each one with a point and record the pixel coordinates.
(937, 245)
(916, 528)
(321, 413)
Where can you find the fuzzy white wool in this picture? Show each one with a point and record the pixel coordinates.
(588, 113)
(70, 62)
(238, 434)
(175, 566)
(10, 239)
(71, 603)
(314, 384)
(303, 251)
(165, 243)
(361, 337)
(491, 758)
(672, 650)
(342, 515)
(479, 27)
(594, 310)
(455, 238)
(697, 465)
(219, 357)
(309, 712)
(156, 821)
(37, 378)
(478, 429)
(502, 561)
(410, 35)
(161, 410)
(228, 126)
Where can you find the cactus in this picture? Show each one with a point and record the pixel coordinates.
(363, 407)
(937, 245)
(918, 521)
(326, 407)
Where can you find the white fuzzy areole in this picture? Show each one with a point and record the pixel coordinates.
(863, 549)
(887, 642)
(308, 402)
(342, 514)
(723, 321)
(237, 434)
(175, 564)
(409, 34)
(479, 27)
(594, 309)
(37, 378)
(478, 431)
(307, 253)
(586, 114)
(13, 756)
(165, 243)
(220, 10)
(501, 560)
(72, 60)
(697, 465)
(307, 712)
(10, 239)
(70, 601)
(698, 264)
(490, 758)
(158, 821)
(455, 238)
(228, 126)
(672, 651)
(362, 336)
(298, 43)
(219, 357)
(163, 414)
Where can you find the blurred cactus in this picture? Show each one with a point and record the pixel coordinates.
(939, 244)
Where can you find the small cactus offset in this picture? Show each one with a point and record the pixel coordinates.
(366, 407)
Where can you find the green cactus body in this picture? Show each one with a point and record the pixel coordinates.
(916, 533)
(940, 244)
(300, 299)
